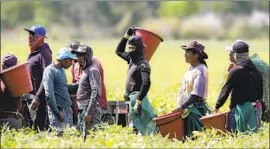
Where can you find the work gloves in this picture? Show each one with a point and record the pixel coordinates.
(130, 31)
(138, 107)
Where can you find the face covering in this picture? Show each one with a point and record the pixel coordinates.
(239, 57)
(138, 43)
(34, 42)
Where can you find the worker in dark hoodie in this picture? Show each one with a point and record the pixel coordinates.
(40, 57)
(10, 106)
(245, 84)
(138, 78)
(89, 90)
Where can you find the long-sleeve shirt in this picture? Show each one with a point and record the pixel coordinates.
(56, 89)
(89, 89)
(38, 61)
(244, 82)
(138, 78)
(76, 72)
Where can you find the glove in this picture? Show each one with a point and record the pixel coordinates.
(130, 32)
(126, 97)
(138, 107)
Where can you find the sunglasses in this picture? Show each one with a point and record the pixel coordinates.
(33, 34)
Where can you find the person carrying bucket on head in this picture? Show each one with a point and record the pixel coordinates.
(10, 107)
(194, 89)
(40, 57)
(76, 71)
(89, 90)
(245, 84)
(138, 80)
(56, 90)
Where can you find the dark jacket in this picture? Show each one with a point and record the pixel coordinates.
(7, 102)
(139, 70)
(244, 83)
(38, 61)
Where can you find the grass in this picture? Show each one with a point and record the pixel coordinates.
(168, 67)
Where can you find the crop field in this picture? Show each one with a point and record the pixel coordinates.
(168, 67)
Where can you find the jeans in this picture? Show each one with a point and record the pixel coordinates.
(67, 122)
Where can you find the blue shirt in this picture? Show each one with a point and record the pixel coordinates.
(56, 89)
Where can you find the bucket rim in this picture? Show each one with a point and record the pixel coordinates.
(137, 28)
(166, 115)
(213, 115)
(13, 67)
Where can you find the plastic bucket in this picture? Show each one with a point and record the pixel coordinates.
(171, 124)
(17, 79)
(217, 121)
(150, 39)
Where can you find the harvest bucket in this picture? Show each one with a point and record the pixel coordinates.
(171, 124)
(217, 121)
(17, 79)
(150, 39)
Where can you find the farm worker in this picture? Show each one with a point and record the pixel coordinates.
(89, 90)
(10, 106)
(76, 71)
(263, 67)
(244, 82)
(138, 80)
(56, 90)
(40, 57)
(194, 88)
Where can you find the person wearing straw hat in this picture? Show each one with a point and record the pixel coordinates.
(194, 88)
(40, 57)
(10, 107)
(138, 81)
(245, 84)
(56, 90)
(89, 90)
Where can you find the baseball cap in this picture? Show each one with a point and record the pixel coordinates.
(239, 46)
(9, 60)
(82, 50)
(65, 53)
(198, 47)
(74, 45)
(37, 29)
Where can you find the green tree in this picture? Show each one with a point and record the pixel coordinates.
(14, 13)
(179, 9)
(234, 7)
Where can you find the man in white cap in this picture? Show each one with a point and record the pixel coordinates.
(245, 85)
(56, 90)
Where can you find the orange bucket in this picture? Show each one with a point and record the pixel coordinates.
(217, 121)
(150, 39)
(171, 124)
(17, 79)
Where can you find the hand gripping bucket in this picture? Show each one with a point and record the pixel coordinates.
(17, 79)
(151, 40)
(217, 121)
(171, 124)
